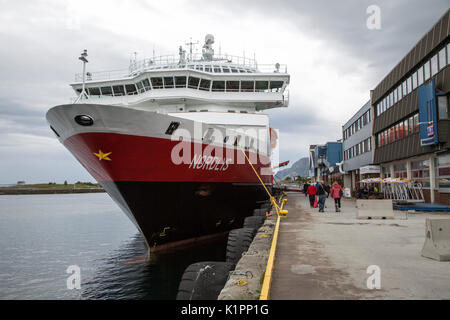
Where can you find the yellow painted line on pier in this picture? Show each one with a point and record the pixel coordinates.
(268, 274)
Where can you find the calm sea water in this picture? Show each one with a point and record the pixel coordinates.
(42, 235)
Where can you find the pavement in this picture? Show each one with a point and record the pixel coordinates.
(327, 255)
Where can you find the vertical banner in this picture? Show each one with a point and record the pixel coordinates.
(427, 114)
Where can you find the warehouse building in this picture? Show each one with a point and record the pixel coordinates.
(411, 124)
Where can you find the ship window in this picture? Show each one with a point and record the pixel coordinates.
(232, 111)
(146, 84)
(247, 86)
(204, 110)
(226, 69)
(205, 84)
(275, 86)
(140, 86)
(131, 89)
(119, 90)
(199, 67)
(217, 69)
(243, 111)
(191, 66)
(180, 82)
(207, 68)
(236, 141)
(94, 91)
(261, 86)
(193, 82)
(157, 83)
(242, 70)
(168, 82)
(234, 70)
(218, 86)
(78, 90)
(233, 86)
(106, 91)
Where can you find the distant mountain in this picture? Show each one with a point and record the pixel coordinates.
(299, 168)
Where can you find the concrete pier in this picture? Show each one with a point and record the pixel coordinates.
(327, 255)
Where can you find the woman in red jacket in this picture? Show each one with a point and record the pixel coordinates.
(336, 194)
(311, 191)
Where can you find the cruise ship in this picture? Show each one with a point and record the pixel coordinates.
(180, 142)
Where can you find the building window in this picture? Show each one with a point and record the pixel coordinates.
(414, 80)
(410, 125)
(434, 65)
(409, 85)
(448, 54)
(386, 171)
(416, 122)
(404, 88)
(426, 70)
(442, 102)
(420, 76)
(400, 171)
(420, 172)
(442, 59)
(443, 173)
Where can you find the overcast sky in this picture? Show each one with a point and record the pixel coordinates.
(333, 58)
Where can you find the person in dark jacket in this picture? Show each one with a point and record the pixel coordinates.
(322, 194)
(305, 189)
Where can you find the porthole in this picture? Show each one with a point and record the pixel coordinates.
(84, 120)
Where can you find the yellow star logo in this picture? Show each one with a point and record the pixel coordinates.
(103, 156)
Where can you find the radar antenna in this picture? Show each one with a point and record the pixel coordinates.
(190, 44)
(208, 51)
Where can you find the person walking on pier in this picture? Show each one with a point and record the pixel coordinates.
(305, 188)
(336, 194)
(311, 191)
(322, 193)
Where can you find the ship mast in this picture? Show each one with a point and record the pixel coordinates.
(190, 44)
(83, 93)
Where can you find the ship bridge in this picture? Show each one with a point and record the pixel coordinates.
(193, 83)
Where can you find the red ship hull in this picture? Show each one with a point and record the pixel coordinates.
(172, 202)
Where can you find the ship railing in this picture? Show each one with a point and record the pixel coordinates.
(172, 62)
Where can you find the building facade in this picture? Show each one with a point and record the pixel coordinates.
(411, 124)
(325, 161)
(357, 147)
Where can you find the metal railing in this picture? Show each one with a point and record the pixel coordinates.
(223, 64)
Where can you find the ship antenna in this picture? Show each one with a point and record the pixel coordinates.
(190, 44)
(83, 93)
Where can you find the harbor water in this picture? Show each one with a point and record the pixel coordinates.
(44, 237)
